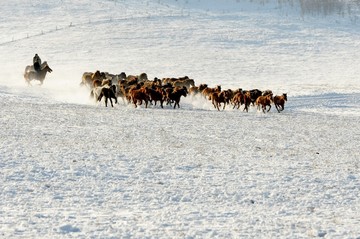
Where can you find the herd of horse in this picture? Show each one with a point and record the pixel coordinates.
(138, 90)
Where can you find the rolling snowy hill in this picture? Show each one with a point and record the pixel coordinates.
(71, 168)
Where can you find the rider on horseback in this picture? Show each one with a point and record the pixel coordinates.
(37, 62)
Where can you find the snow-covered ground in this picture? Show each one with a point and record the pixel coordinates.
(73, 168)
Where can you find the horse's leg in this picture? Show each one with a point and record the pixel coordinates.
(177, 103)
(106, 99)
(217, 106)
(238, 105)
(278, 108)
(111, 102)
(214, 103)
(269, 107)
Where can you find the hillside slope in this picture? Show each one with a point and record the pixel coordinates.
(72, 168)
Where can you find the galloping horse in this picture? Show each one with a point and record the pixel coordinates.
(264, 100)
(30, 73)
(279, 102)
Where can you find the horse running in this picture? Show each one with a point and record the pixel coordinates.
(264, 100)
(279, 101)
(108, 93)
(30, 73)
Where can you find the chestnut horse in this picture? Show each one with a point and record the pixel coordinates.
(139, 95)
(238, 99)
(157, 94)
(279, 101)
(264, 100)
(247, 101)
(220, 97)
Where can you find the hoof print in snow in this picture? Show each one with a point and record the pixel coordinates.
(68, 229)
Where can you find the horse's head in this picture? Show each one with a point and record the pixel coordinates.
(285, 96)
(49, 69)
(46, 67)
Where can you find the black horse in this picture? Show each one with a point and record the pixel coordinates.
(108, 93)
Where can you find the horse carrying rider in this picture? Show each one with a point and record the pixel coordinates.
(37, 62)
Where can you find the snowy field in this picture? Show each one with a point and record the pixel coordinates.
(71, 168)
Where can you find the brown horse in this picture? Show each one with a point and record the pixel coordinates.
(264, 100)
(139, 95)
(220, 97)
(207, 91)
(185, 82)
(157, 94)
(194, 90)
(86, 79)
(247, 101)
(238, 99)
(98, 75)
(30, 74)
(279, 101)
(143, 77)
